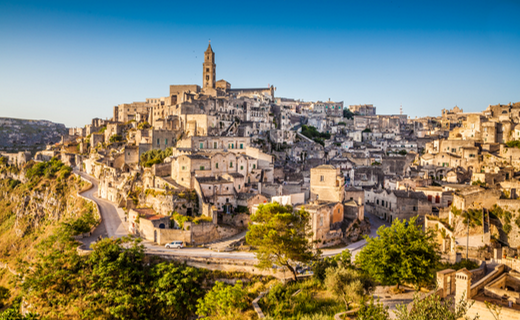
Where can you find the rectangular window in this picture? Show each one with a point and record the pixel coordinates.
(321, 221)
(254, 166)
(165, 142)
(201, 145)
(414, 208)
(216, 165)
(241, 146)
(201, 167)
(158, 142)
(183, 168)
(322, 178)
(231, 164)
(241, 167)
(214, 145)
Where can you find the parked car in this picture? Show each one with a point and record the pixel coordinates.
(174, 245)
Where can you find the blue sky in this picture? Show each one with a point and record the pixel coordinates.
(70, 61)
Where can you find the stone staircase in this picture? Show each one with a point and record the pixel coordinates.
(228, 243)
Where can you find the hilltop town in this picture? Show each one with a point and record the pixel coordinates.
(194, 166)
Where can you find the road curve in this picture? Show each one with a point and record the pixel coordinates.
(113, 225)
(112, 219)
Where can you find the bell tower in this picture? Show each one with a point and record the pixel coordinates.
(209, 69)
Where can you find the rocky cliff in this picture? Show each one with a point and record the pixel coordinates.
(21, 134)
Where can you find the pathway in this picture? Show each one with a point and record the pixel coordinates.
(113, 219)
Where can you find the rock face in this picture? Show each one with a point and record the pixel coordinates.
(21, 134)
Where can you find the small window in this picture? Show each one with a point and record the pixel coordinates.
(241, 167)
(414, 208)
(321, 221)
(201, 167)
(165, 142)
(201, 145)
(241, 146)
(158, 142)
(238, 187)
(214, 145)
(322, 178)
(231, 164)
(254, 166)
(216, 165)
(183, 168)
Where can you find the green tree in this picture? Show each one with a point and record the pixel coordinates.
(223, 301)
(115, 138)
(281, 237)
(432, 307)
(347, 284)
(4, 295)
(320, 266)
(401, 253)
(175, 290)
(118, 279)
(373, 310)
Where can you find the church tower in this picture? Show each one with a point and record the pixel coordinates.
(209, 69)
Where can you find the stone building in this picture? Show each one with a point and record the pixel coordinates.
(363, 109)
(327, 184)
(326, 221)
(143, 222)
(400, 204)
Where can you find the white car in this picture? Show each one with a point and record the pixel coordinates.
(174, 245)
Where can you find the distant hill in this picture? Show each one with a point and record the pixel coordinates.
(31, 135)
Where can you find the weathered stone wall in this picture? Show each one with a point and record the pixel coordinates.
(162, 169)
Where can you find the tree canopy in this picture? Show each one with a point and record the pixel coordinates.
(401, 253)
(149, 158)
(281, 237)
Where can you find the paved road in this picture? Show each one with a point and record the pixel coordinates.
(114, 225)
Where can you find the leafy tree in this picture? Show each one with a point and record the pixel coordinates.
(14, 314)
(118, 278)
(175, 290)
(281, 237)
(149, 158)
(115, 138)
(319, 267)
(4, 295)
(432, 307)
(401, 253)
(347, 284)
(348, 114)
(223, 301)
(372, 311)
(403, 152)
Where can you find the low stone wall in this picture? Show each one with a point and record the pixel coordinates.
(480, 272)
(475, 288)
(511, 263)
(195, 234)
(480, 308)
(240, 220)
(225, 264)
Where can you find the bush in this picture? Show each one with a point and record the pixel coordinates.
(149, 158)
(115, 138)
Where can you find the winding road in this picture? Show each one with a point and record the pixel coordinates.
(114, 225)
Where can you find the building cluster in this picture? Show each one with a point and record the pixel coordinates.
(214, 153)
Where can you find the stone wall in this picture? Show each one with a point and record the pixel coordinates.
(480, 308)
(241, 220)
